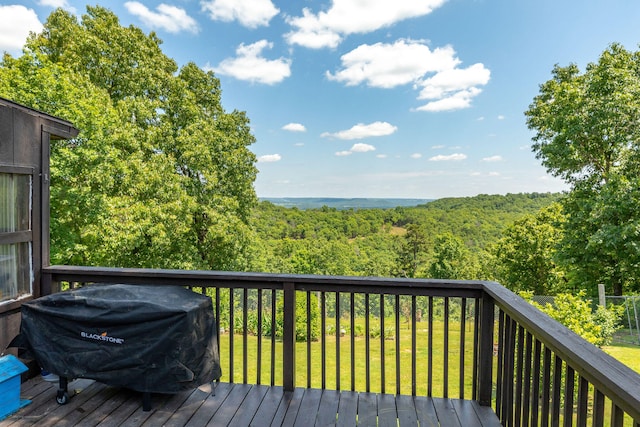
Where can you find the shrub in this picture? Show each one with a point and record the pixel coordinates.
(575, 312)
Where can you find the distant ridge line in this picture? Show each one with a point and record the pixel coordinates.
(344, 203)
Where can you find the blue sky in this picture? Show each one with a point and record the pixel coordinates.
(376, 98)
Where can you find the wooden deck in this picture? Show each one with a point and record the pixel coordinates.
(241, 405)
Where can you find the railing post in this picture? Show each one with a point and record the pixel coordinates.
(485, 350)
(289, 337)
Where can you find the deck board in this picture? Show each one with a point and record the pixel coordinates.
(227, 404)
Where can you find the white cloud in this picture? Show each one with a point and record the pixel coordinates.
(500, 117)
(250, 13)
(389, 65)
(269, 158)
(356, 148)
(64, 4)
(381, 156)
(451, 157)
(453, 89)
(15, 24)
(249, 65)
(294, 127)
(492, 159)
(361, 131)
(362, 148)
(169, 18)
(344, 17)
(494, 173)
(435, 73)
(437, 147)
(416, 156)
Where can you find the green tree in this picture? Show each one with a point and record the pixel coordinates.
(160, 175)
(452, 259)
(525, 254)
(587, 133)
(410, 256)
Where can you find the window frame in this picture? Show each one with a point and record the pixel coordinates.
(22, 236)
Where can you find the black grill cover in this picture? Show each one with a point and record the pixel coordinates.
(157, 339)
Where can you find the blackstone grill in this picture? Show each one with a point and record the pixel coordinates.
(147, 338)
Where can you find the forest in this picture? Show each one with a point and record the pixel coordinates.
(445, 238)
(161, 176)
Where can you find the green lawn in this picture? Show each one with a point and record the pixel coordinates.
(626, 353)
(360, 361)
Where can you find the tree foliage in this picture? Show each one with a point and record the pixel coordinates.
(160, 175)
(575, 312)
(587, 133)
(525, 255)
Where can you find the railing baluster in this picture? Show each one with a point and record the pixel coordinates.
(445, 368)
(546, 387)
(508, 376)
(526, 403)
(519, 372)
(259, 338)
(557, 391)
(308, 339)
(338, 333)
(367, 343)
(382, 361)
(598, 408)
(413, 345)
(323, 337)
(245, 317)
(430, 350)
(583, 402)
(617, 416)
(476, 348)
(463, 318)
(397, 338)
(273, 337)
(535, 386)
(485, 351)
(353, 343)
(231, 333)
(500, 369)
(217, 316)
(569, 392)
(289, 337)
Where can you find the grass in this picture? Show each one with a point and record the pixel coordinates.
(356, 364)
(625, 353)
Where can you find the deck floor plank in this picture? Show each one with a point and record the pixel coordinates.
(210, 406)
(293, 407)
(268, 407)
(367, 409)
(406, 409)
(387, 412)
(124, 411)
(238, 405)
(250, 405)
(308, 408)
(347, 409)
(328, 409)
(425, 411)
(230, 405)
(447, 416)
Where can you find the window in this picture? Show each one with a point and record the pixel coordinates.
(16, 277)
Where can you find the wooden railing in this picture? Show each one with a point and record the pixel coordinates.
(459, 339)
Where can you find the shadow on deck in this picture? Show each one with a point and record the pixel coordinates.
(96, 404)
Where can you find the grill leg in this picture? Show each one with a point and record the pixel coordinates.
(146, 401)
(62, 397)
